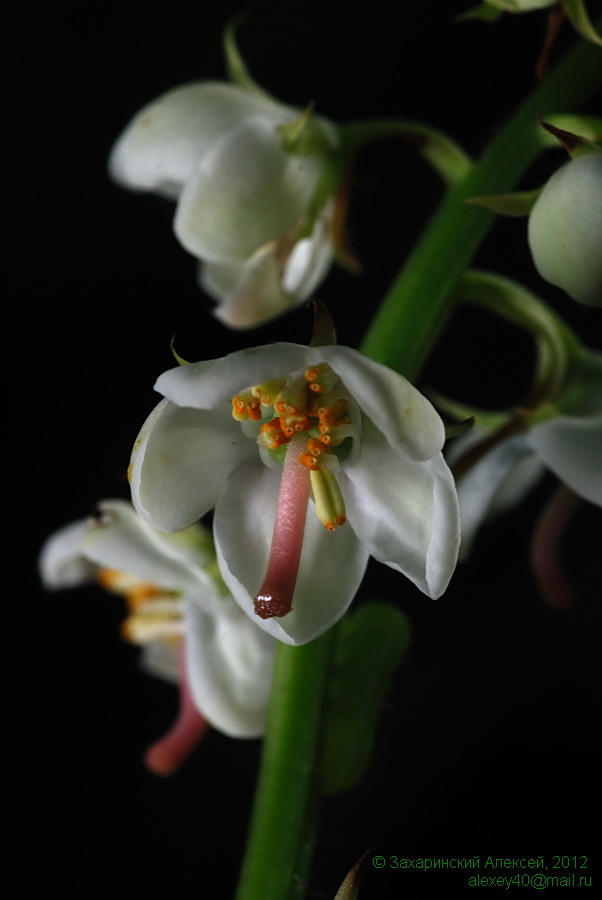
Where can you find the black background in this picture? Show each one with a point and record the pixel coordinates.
(487, 742)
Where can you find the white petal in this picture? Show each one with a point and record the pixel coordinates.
(251, 291)
(565, 227)
(161, 147)
(407, 419)
(62, 564)
(310, 258)
(229, 663)
(405, 511)
(331, 567)
(246, 192)
(119, 539)
(572, 448)
(180, 462)
(212, 384)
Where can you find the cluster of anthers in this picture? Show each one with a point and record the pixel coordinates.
(306, 418)
(154, 613)
(313, 405)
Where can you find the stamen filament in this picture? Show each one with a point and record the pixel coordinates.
(275, 596)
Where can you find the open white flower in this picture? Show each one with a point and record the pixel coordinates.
(172, 599)
(283, 440)
(253, 180)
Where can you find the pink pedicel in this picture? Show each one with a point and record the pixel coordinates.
(545, 548)
(275, 596)
(168, 754)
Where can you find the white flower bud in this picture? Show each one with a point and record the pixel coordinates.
(565, 229)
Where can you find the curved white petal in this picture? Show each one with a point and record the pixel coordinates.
(161, 147)
(246, 192)
(250, 292)
(565, 226)
(180, 461)
(229, 665)
(61, 562)
(406, 418)
(331, 568)
(572, 448)
(212, 384)
(310, 258)
(117, 538)
(405, 511)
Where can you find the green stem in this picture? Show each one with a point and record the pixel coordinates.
(283, 823)
(418, 305)
(410, 320)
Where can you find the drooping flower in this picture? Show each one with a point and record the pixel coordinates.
(565, 229)
(177, 607)
(288, 443)
(253, 180)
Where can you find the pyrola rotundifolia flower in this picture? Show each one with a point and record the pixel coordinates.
(314, 458)
(253, 180)
(565, 229)
(174, 602)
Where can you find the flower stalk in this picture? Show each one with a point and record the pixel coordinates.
(402, 335)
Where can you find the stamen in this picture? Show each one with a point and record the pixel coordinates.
(330, 506)
(275, 596)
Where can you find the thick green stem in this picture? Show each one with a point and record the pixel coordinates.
(418, 305)
(410, 320)
(283, 823)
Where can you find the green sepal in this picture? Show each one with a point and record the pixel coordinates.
(323, 332)
(179, 359)
(442, 153)
(485, 12)
(581, 22)
(517, 203)
(370, 645)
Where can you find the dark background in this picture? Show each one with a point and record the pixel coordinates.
(487, 742)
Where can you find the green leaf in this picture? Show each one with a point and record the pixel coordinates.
(370, 645)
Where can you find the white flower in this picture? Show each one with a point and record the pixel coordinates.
(565, 229)
(568, 444)
(171, 596)
(261, 432)
(255, 210)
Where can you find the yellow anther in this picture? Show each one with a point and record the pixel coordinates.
(330, 506)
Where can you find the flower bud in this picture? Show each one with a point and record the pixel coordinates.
(565, 229)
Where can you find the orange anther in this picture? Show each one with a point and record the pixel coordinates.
(306, 459)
